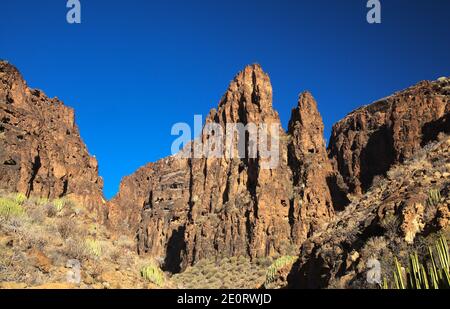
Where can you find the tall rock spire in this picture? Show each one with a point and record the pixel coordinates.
(194, 208)
(312, 205)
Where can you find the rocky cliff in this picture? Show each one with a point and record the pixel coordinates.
(333, 204)
(187, 209)
(41, 152)
(371, 139)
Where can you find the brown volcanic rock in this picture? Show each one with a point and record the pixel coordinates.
(312, 171)
(124, 210)
(391, 219)
(370, 140)
(193, 208)
(237, 207)
(41, 152)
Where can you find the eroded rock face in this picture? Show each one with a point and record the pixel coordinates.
(193, 208)
(370, 140)
(312, 205)
(41, 152)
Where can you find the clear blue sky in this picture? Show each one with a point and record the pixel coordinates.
(134, 68)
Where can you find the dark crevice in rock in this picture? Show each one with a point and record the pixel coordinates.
(176, 247)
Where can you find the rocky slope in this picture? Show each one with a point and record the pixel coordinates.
(41, 152)
(394, 218)
(187, 209)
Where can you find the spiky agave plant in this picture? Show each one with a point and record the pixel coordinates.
(434, 197)
(432, 274)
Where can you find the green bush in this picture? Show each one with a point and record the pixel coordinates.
(153, 273)
(10, 208)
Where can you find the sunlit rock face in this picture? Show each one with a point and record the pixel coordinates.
(41, 151)
(189, 208)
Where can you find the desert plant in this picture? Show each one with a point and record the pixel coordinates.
(434, 274)
(93, 248)
(66, 228)
(75, 249)
(10, 208)
(434, 197)
(391, 224)
(153, 273)
(20, 198)
(42, 201)
(59, 204)
(278, 265)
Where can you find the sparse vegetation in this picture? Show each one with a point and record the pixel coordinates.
(153, 273)
(66, 228)
(432, 273)
(57, 234)
(10, 207)
(20, 198)
(59, 204)
(278, 265)
(93, 248)
(434, 197)
(226, 273)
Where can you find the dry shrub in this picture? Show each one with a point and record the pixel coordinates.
(67, 228)
(75, 249)
(126, 242)
(33, 237)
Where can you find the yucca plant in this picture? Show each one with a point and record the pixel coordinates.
(439, 270)
(431, 274)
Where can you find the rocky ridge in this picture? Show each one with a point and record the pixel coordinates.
(196, 208)
(395, 217)
(371, 139)
(188, 209)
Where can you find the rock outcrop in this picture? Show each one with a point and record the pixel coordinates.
(371, 139)
(41, 152)
(193, 208)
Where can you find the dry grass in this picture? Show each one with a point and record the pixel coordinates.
(60, 231)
